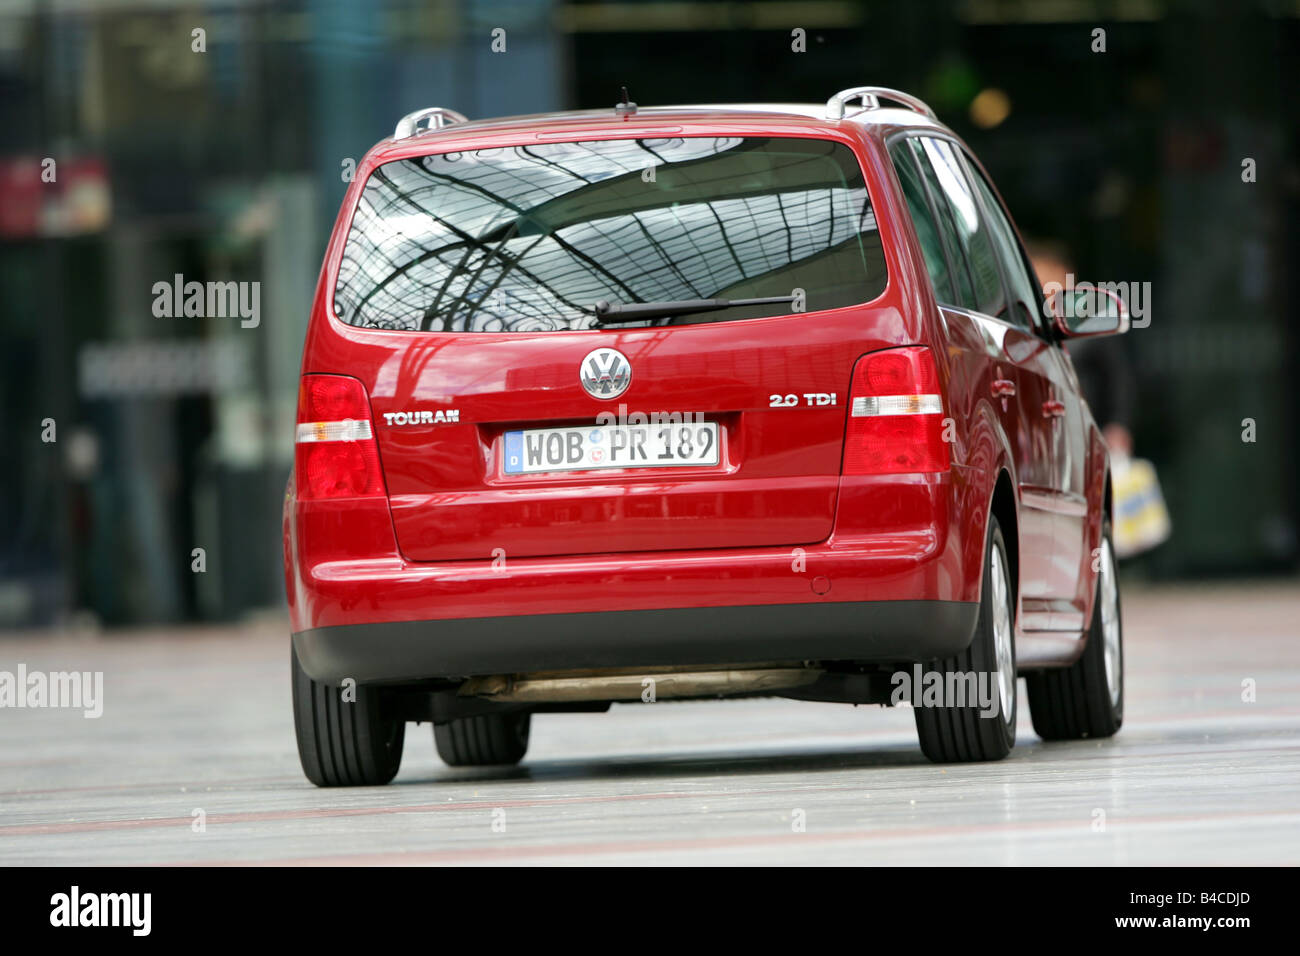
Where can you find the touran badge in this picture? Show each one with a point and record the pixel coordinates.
(425, 417)
(605, 373)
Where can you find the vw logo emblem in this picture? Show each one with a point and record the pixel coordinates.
(605, 373)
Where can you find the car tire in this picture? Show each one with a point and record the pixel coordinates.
(959, 734)
(344, 743)
(1086, 699)
(484, 740)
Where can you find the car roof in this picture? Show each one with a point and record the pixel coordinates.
(756, 118)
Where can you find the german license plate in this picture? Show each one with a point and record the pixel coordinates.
(610, 446)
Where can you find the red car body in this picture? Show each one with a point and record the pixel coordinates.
(452, 568)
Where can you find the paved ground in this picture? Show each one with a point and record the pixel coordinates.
(200, 720)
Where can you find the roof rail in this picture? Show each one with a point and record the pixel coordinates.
(437, 117)
(871, 97)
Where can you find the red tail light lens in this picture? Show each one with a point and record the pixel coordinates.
(332, 398)
(895, 415)
(336, 455)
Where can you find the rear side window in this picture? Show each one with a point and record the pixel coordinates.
(528, 238)
(927, 229)
(953, 187)
(965, 294)
(1025, 302)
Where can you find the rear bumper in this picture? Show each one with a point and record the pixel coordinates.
(868, 631)
(907, 590)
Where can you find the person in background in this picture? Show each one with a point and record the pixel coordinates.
(1105, 374)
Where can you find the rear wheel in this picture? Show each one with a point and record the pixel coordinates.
(344, 742)
(1087, 698)
(973, 730)
(484, 740)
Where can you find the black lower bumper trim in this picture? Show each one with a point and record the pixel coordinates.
(869, 631)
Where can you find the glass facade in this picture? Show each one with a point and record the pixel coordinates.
(146, 145)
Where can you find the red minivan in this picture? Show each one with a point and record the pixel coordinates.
(690, 402)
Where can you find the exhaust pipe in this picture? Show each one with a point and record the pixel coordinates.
(632, 684)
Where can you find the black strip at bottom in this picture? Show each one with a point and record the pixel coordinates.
(868, 631)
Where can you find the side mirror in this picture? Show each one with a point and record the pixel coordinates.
(1085, 311)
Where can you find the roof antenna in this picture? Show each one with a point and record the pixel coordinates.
(625, 107)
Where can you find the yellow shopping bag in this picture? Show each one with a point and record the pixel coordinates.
(1141, 520)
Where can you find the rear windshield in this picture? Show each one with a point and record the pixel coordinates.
(529, 238)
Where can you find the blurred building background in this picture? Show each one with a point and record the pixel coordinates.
(229, 165)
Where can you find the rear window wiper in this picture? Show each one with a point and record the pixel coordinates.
(610, 313)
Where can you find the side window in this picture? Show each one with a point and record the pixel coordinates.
(1025, 300)
(923, 220)
(970, 226)
(956, 248)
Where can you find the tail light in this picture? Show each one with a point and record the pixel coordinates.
(335, 454)
(895, 415)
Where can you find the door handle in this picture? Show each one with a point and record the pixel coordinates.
(1003, 387)
(1053, 408)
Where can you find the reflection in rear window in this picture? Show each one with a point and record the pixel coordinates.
(528, 238)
